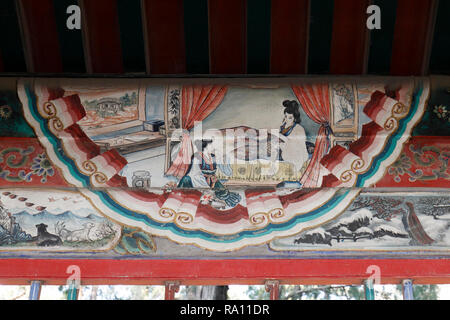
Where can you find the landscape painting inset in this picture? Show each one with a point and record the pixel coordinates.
(42, 220)
(403, 221)
(103, 112)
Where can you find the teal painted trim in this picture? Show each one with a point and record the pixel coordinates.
(72, 293)
(55, 143)
(391, 144)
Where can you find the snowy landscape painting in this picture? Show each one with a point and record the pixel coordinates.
(381, 221)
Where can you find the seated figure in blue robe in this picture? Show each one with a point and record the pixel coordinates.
(202, 174)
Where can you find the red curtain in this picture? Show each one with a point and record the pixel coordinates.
(197, 103)
(316, 104)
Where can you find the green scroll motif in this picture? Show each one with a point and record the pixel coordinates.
(135, 241)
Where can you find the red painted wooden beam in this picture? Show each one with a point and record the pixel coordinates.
(232, 271)
(349, 44)
(164, 36)
(412, 37)
(289, 36)
(227, 36)
(38, 25)
(100, 25)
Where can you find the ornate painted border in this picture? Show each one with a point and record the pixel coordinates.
(110, 202)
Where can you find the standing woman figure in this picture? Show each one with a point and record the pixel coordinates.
(292, 136)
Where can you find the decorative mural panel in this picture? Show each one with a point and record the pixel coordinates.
(225, 167)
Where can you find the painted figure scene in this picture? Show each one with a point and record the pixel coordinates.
(147, 167)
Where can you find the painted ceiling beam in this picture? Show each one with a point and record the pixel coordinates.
(40, 37)
(227, 36)
(289, 36)
(412, 37)
(164, 36)
(100, 25)
(349, 44)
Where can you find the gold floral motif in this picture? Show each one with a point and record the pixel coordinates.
(89, 166)
(357, 165)
(258, 218)
(184, 218)
(166, 212)
(50, 113)
(390, 124)
(276, 213)
(346, 176)
(99, 177)
(263, 217)
(400, 110)
(56, 123)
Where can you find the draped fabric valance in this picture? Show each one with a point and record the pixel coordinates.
(197, 103)
(314, 98)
